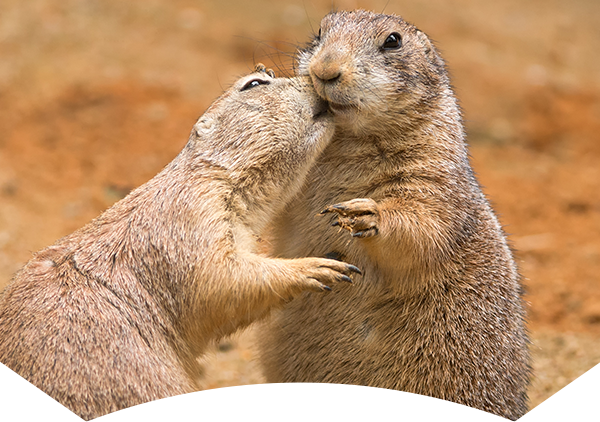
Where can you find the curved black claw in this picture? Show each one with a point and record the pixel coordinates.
(354, 269)
(346, 279)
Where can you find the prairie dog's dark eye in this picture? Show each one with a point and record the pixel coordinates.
(254, 83)
(319, 36)
(392, 42)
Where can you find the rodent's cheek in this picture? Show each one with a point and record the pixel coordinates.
(302, 69)
(305, 58)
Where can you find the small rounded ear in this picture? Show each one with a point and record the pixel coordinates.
(425, 42)
(430, 51)
(204, 126)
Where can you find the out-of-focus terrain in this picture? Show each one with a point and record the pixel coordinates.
(97, 96)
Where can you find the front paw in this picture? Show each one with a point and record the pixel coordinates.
(360, 216)
(319, 273)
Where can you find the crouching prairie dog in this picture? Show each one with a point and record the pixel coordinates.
(116, 313)
(439, 310)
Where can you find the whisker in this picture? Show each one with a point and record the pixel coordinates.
(312, 30)
(275, 60)
(385, 7)
(284, 61)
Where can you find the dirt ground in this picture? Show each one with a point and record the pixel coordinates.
(97, 96)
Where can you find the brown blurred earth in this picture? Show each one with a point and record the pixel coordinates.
(97, 96)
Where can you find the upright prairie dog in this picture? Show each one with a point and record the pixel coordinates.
(116, 313)
(438, 311)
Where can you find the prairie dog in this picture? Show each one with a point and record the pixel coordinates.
(117, 313)
(439, 310)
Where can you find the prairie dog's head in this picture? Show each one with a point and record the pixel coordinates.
(367, 65)
(267, 132)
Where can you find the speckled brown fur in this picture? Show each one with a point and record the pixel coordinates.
(439, 309)
(116, 313)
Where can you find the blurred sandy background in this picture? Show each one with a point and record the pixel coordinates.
(96, 96)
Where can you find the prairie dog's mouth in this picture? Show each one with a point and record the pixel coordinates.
(321, 109)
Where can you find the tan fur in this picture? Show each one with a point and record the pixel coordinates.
(116, 313)
(439, 309)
